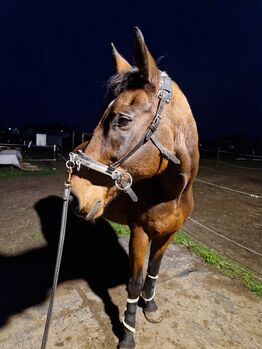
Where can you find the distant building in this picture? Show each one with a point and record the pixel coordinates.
(12, 136)
(48, 134)
(45, 134)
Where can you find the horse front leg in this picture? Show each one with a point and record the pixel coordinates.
(158, 247)
(137, 250)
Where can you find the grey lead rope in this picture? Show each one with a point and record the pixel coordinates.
(58, 262)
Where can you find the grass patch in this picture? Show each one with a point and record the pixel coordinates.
(6, 172)
(223, 264)
(36, 236)
(210, 256)
(121, 230)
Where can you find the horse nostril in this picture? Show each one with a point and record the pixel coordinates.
(74, 202)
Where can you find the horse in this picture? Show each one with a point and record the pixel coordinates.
(138, 169)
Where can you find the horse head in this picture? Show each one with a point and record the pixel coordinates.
(134, 103)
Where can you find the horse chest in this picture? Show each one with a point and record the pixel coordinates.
(163, 218)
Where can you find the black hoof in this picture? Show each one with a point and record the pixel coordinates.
(128, 341)
(150, 310)
(147, 306)
(124, 344)
(153, 316)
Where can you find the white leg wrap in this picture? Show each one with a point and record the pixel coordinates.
(130, 328)
(152, 277)
(149, 299)
(129, 300)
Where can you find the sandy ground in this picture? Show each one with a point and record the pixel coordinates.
(201, 308)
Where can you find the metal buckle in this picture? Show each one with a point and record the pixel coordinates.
(124, 182)
(165, 88)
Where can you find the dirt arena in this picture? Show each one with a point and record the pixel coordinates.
(201, 308)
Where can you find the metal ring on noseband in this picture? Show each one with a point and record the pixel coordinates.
(122, 184)
(70, 164)
(122, 179)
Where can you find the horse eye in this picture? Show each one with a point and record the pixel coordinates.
(122, 121)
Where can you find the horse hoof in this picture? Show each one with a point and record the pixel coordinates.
(126, 346)
(153, 316)
(127, 342)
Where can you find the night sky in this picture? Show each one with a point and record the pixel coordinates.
(55, 58)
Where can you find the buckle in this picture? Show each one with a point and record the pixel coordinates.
(124, 181)
(165, 91)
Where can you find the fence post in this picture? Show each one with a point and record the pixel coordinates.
(54, 161)
(73, 140)
(218, 151)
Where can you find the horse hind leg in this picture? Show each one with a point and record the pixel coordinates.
(158, 247)
(138, 245)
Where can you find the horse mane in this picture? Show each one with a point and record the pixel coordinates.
(129, 80)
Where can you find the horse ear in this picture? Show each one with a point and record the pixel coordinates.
(121, 64)
(143, 58)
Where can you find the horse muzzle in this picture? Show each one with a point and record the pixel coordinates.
(88, 216)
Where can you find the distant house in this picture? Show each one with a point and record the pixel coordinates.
(8, 135)
(47, 134)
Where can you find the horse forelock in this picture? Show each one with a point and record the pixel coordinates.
(129, 80)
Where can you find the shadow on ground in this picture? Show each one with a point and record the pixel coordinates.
(91, 252)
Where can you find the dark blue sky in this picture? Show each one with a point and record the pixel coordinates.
(56, 57)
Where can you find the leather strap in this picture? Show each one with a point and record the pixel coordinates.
(165, 96)
(164, 151)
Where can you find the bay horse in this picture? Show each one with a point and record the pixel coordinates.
(138, 169)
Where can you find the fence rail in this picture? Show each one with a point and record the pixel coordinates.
(230, 189)
(233, 223)
(36, 153)
(234, 154)
(232, 158)
(225, 237)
